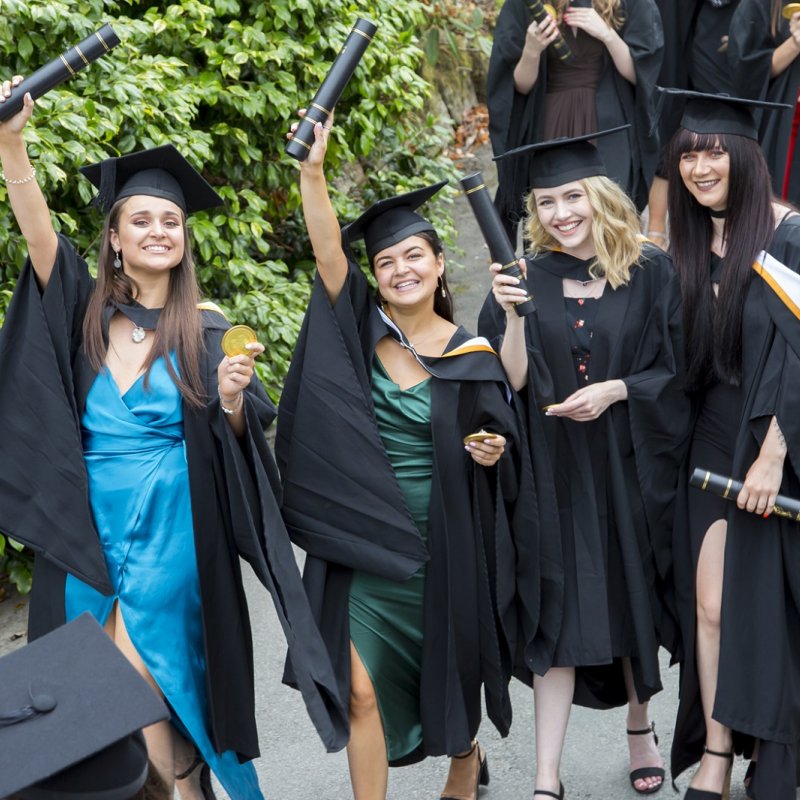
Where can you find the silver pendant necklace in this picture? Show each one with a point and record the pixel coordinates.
(138, 334)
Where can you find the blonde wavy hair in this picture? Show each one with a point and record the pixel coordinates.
(609, 10)
(615, 230)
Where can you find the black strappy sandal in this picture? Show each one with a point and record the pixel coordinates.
(646, 772)
(205, 777)
(559, 796)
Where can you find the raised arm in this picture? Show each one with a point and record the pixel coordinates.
(513, 352)
(323, 227)
(24, 195)
(786, 54)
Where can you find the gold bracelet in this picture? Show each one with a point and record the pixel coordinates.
(12, 182)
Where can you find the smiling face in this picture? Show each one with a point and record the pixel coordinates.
(149, 234)
(705, 174)
(566, 214)
(408, 272)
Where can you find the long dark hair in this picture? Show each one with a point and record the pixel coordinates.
(443, 306)
(178, 326)
(713, 326)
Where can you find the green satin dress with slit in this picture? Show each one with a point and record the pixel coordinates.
(385, 615)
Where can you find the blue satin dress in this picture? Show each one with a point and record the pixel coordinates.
(139, 490)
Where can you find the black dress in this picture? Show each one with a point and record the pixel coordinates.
(605, 578)
(758, 696)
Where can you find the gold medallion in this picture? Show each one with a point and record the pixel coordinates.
(479, 437)
(235, 339)
(790, 10)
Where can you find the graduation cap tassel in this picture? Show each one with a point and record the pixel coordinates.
(40, 704)
(104, 199)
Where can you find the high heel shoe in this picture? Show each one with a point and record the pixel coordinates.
(646, 772)
(559, 796)
(701, 794)
(481, 768)
(205, 777)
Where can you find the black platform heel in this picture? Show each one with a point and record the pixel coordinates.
(481, 778)
(646, 772)
(701, 794)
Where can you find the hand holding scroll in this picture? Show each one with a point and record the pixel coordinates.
(15, 125)
(316, 154)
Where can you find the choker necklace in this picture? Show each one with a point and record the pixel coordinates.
(718, 214)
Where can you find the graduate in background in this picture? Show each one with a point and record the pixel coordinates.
(534, 96)
(699, 29)
(598, 365)
(136, 464)
(410, 567)
(764, 60)
(736, 565)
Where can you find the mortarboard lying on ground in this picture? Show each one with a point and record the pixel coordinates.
(563, 160)
(71, 711)
(157, 172)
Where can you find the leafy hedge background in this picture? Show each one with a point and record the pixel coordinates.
(222, 80)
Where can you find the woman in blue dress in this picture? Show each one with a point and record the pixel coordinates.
(137, 410)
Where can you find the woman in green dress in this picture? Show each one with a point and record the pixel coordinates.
(409, 572)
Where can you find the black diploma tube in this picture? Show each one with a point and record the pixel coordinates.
(729, 489)
(332, 87)
(540, 13)
(500, 248)
(60, 69)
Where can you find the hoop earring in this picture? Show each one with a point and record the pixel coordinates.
(117, 263)
(441, 286)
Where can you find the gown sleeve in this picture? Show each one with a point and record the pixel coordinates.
(247, 478)
(341, 499)
(43, 479)
(659, 415)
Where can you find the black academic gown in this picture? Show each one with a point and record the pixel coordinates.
(615, 478)
(233, 484)
(516, 119)
(343, 505)
(750, 59)
(758, 689)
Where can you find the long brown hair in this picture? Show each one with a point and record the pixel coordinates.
(775, 17)
(178, 326)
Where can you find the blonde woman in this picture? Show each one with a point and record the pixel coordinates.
(597, 365)
(535, 95)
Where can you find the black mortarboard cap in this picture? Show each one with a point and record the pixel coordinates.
(389, 221)
(719, 113)
(568, 158)
(157, 172)
(71, 707)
